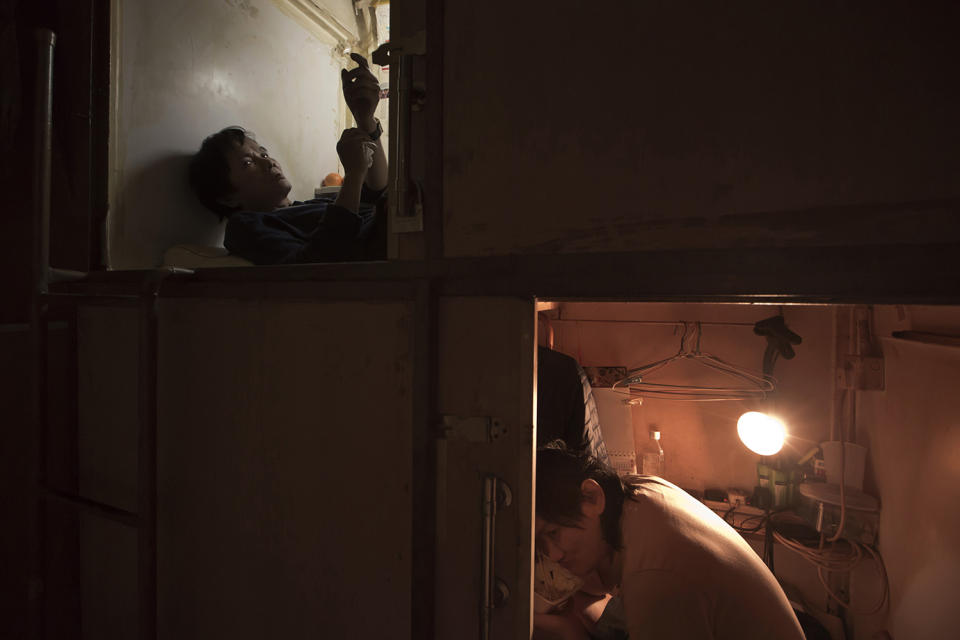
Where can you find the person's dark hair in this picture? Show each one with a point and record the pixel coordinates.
(209, 171)
(560, 472)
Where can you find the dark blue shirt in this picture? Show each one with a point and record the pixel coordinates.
(312, 231)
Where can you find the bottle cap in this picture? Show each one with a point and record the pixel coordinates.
(654, 435)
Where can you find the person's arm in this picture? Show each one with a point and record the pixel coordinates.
(588, 608)
(661, 604)
(264, 240)
(361, 92)
(554, 626)
(355, 150)
(335, 239)
(260, 240)
(376, 179)
(339, 236)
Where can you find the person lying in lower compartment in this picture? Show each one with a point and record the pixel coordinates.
(678, 569)
(235, 177)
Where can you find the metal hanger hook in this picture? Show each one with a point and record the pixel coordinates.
(683, 338)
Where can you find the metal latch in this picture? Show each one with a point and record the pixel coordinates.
(472, 428)
(415, 45)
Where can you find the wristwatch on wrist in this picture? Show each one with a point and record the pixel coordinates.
(376, 133)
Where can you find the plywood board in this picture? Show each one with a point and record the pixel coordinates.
(284, 469)
(486, 368)
(652, 125)
(108, 404)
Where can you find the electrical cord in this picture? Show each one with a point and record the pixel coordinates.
(762, 524)
(768, 543)
(761, 518)
(883, 576)
(842, 556)
(836, 558)
(839, 559)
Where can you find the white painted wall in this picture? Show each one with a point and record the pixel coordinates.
(191, 67)
(912, 430)
(700, 439)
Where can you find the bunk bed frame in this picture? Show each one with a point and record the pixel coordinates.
(902, 274)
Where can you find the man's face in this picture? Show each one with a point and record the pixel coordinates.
(578, 549)
(258, 181)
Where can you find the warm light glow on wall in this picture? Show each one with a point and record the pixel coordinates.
(761, 433)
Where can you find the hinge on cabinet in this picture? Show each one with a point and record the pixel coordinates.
(472, 428)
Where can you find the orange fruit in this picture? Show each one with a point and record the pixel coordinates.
(332, 180)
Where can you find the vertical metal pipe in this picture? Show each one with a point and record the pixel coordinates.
(853, 348)
(43, 152)
(400, 86)
(432, 133)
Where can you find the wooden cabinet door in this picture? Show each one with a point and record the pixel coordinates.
(638, 125)
(284, 466)
(486, 446)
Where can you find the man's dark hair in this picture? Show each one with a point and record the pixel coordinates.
(560, 472)
(209, 171)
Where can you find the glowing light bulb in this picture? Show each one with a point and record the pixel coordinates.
(761, 433)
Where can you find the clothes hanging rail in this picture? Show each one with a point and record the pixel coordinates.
(748, 384)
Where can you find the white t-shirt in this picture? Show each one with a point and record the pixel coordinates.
(688, 575)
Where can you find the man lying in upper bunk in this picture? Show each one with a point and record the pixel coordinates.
(235, 177)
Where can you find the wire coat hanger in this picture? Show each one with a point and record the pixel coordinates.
(750, 384)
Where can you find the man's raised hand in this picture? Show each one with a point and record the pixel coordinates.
(356, 151)
(361, 91)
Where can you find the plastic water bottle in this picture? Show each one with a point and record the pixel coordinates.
(653, 456)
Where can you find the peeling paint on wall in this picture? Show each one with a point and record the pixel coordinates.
(245, 6)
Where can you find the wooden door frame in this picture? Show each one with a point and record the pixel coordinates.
(890, 274)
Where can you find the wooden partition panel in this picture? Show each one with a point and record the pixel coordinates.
(639, 125)
(486, 372)
(108, 361)
(284, 469)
